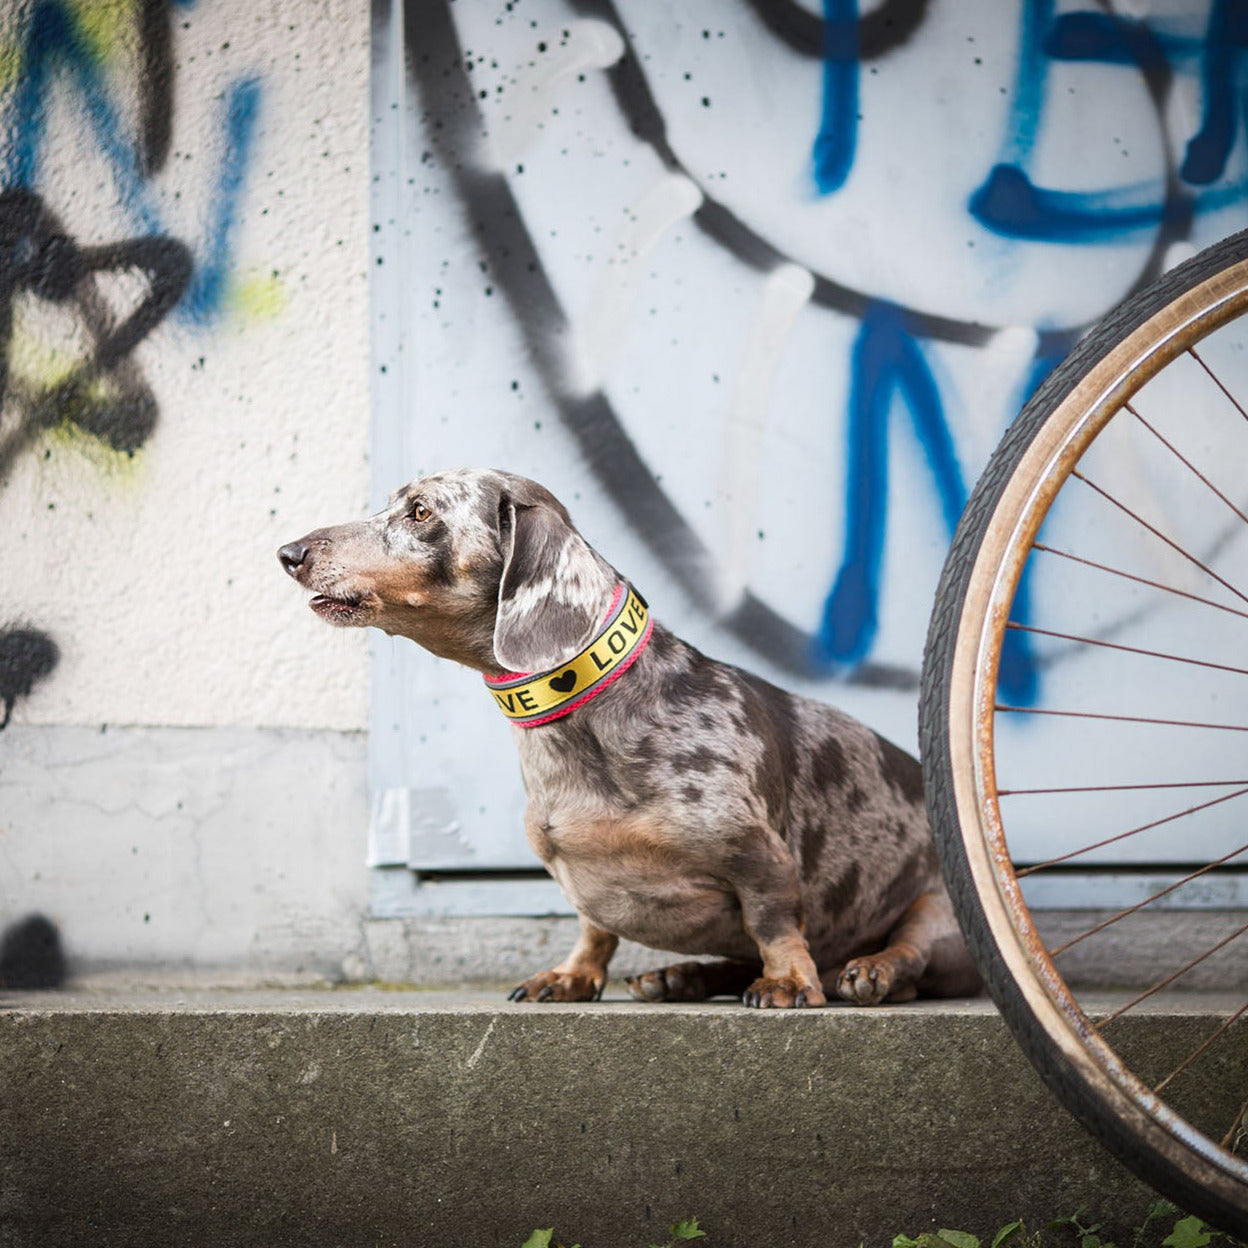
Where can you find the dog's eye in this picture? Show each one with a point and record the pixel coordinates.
(420, 513)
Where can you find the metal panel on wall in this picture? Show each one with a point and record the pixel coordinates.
(754, 288)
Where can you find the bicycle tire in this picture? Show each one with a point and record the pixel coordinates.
(961, 656)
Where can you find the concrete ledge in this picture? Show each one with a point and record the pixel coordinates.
(357, 1117)
(1136, 950)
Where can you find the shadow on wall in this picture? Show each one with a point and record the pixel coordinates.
(31, 955)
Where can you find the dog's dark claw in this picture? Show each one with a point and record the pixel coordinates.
(546, 993)
(800, 1001)
(518, 993)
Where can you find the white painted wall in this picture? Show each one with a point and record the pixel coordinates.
(187, 786)
(155, 574)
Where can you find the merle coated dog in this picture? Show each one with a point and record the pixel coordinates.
(679, 802)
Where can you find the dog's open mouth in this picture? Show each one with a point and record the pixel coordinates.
(336, 610)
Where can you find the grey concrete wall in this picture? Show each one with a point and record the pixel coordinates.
(189, 847)
(361, 1118)
(1137, 951)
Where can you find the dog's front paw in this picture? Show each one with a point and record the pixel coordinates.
(785, 993)
(558, 986)
(871, 980)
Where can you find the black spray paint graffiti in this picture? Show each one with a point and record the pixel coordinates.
(156, 79)
(103, 394)
(26, 656)
(454, 124)
(31, 954)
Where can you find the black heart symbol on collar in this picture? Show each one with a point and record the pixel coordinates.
(564, 683)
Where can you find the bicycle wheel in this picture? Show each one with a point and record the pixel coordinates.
(1084, 702)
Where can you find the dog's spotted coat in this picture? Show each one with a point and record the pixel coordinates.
(692, 806)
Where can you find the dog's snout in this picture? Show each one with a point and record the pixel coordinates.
(292, 556)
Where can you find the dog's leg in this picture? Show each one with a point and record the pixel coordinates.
(789, 976)
(925, 953)
(581, 976)
(693, 981)
(764, 876)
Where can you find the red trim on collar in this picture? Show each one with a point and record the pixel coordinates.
(598, 688)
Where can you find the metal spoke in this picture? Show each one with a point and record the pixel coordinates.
(1165, 983)
(1139, 905)
(1122, 836)
(1140, 580)
(1121, 788)
(1156, 532)
(1187, 463)
(1123, 719)
(1217, 381)
(1239, 1117)
(1223, 1027)
(1114, 645)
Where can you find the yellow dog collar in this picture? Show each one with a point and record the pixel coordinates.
(529, 699)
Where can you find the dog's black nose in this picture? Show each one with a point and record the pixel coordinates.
(292, 556)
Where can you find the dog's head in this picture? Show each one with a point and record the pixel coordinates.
(478, 566)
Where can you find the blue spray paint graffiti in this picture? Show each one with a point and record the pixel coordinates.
(55, 43)
(838, 131)
(1226, 38)
(54, 40)
(207, 291)
(104, 395)
(888, 360)
(1011, 205)
(894, 346)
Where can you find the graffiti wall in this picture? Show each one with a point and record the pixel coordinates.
(183, 382)
(753, 285)
(756, 286)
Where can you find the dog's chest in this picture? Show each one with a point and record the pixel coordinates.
(629, 878)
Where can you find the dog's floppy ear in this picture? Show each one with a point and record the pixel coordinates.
(550, 593)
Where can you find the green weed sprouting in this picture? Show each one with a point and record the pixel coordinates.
(1075, 1231)
(678, 1231)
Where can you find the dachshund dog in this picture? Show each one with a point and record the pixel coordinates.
(678, 802)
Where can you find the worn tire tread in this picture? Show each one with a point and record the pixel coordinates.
(1083, 1100)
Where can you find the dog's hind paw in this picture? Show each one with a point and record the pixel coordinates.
(683, 981)
(558, 986)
